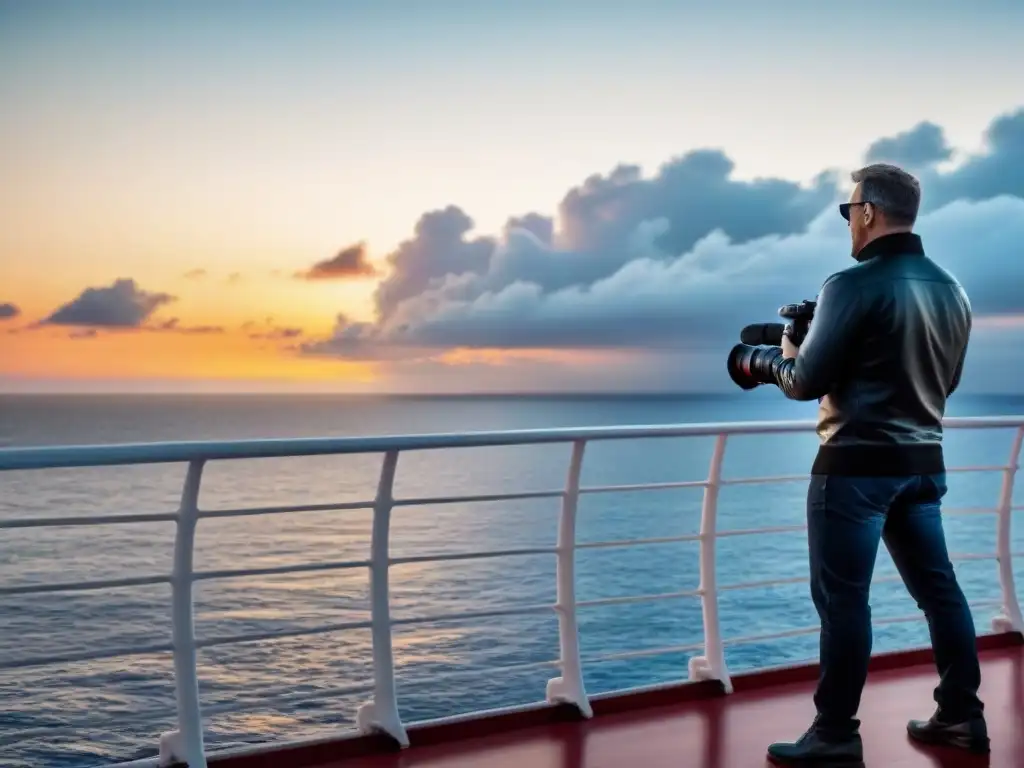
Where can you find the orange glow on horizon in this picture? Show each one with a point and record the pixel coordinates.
(52, 352)
(497, 356)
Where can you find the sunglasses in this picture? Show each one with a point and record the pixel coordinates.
(844, 209)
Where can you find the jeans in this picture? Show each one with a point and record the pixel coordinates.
(846, 518)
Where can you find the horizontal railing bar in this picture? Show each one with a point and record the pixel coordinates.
(473, 671)
(643, 653)
(323, 629)
(438, 500)
(71, 658)
(286, 697)
(764, 583)
(644, 487)
(753, 531)
(84, 586)
(1001, 468)
(58, 522)
(972, 556)
(339, 565)
(921, 617)
(898, 619)
(168, 452)
(747, 639)
(638, 599)
(160, 517)
(793, 580)
(891, 579)
(636, 542)
(521, 610)
(472, 555)
(279, 696)
(762, 480)
(340, 506)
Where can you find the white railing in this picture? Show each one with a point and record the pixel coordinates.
(381, 714)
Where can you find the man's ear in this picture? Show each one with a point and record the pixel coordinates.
(869, 213)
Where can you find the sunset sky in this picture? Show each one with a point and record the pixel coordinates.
(433, 195)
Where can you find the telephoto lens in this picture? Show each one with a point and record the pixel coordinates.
(751, 366)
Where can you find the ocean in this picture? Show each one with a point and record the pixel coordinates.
(101, 712)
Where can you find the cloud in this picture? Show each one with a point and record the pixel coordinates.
(680, 261)
(120, 305)
(598, 224)
(8, 311)
(920, 147)
(123, 305)
(349, 263)
(997, 170)
(270, 331)
(173, 325)
(195, 274)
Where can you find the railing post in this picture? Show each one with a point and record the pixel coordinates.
(185, 744)
(1010, 620)
(711, 666)
(569, 687)
(381, 714)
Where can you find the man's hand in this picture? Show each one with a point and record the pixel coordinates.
(789, 349)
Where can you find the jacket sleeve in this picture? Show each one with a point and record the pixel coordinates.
(957, 373)
(834, 329)
(959, 370)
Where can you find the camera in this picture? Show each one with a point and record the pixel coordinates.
(750, 362)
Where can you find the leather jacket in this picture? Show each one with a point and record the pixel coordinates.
(885, 350)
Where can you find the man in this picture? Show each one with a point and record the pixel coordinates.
(884, 351)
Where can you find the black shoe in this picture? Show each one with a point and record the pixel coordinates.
(815, 748)
(971, 735)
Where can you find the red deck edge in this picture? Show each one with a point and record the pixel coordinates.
(347, 747)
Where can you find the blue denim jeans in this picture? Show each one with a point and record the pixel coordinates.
(846, 518)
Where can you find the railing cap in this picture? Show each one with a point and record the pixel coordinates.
(53, 457)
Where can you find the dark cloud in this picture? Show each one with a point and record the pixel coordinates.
(358, 341)
(682, 260)
(120, 305)
(920, 147)
(8, 311)
(350, 263)
(998, 170)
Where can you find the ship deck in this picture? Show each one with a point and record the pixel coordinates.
(695, 726)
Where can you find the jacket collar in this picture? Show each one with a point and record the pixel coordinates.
(896, 244)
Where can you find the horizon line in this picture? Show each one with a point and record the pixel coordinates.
(558, 394)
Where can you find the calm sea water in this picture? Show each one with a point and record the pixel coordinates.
(96, 713)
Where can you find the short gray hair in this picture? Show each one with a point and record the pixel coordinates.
(892, 189)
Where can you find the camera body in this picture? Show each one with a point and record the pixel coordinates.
(749, 362)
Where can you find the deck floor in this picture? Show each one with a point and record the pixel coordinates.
(733, 731)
